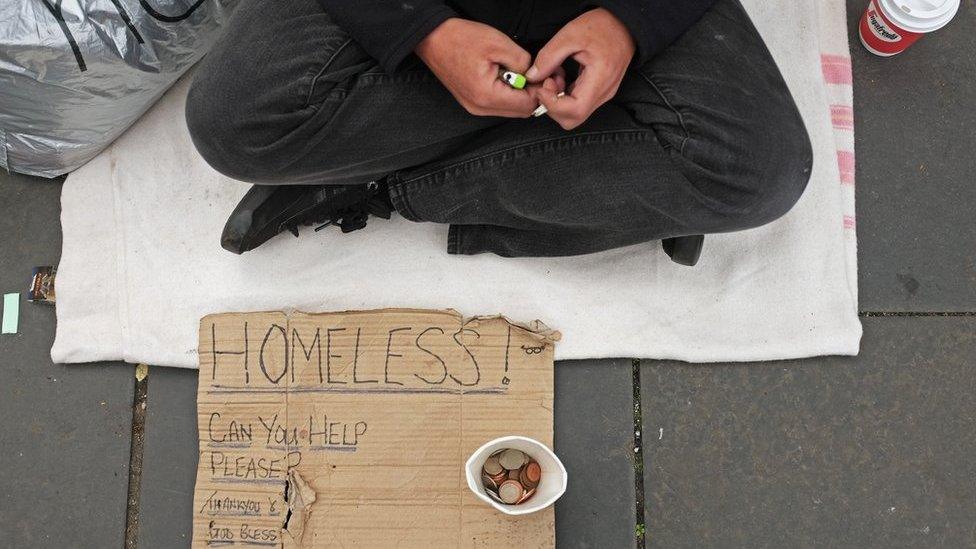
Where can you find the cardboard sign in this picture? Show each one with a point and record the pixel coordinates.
(352, 428)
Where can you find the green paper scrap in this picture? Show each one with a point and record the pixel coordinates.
(11, 313)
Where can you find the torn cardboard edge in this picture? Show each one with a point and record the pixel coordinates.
(369, 416)
(299, 496)
(536, 326)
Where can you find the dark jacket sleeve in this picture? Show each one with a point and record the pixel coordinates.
(654, 24)
(388, 30)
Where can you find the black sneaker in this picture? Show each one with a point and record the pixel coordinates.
(267, 210)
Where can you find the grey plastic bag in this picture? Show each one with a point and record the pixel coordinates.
(74, 74)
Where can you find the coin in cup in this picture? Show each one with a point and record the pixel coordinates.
(530, 475)
(510, 492)
(492, 467)
(511, 459)
(525, 497)
(489, 482)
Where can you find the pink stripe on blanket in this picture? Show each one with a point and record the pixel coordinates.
(845, 162)
(842, 117)
(836, 68)
(849, 222)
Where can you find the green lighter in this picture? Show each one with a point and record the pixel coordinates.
(512, 78)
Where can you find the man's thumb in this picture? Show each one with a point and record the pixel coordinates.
(550, 58)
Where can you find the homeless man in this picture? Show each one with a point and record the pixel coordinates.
(665, 118)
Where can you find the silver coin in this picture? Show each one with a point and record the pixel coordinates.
(510, 491)
(492, 467)
(494, 496)
(511, 459)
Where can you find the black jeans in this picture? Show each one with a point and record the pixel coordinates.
(705, 138)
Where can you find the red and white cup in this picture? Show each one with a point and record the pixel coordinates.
(890, 26)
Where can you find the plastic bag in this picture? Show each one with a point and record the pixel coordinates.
(74, 74)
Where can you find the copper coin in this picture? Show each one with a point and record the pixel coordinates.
(511, 459)
(500, 477)
(489, 483)
(492, 467)
(532, 472)
(525, 497)
(526, 481)
(510, 491)
(514, 474)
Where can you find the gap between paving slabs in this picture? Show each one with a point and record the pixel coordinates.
(639, 528)
(136, 446)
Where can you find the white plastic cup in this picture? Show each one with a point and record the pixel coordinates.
(888, 27)
(552, 484)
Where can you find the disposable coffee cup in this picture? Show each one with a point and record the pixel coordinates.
(888, 27)
(552, 484)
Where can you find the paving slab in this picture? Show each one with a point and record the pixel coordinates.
(169, 461)
(872, 451)
(593, 436)
(64, 447)
(914, 140)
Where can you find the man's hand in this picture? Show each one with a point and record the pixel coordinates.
(466, 56)
(603, 47)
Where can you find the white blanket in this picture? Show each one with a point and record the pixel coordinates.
(141, 261)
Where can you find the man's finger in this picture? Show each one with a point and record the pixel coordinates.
(564, 110)
(589, 86)
(583, 98)
(504, 98)
(511, 56)
(550, 97)
(551, 57)
(559, 77)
